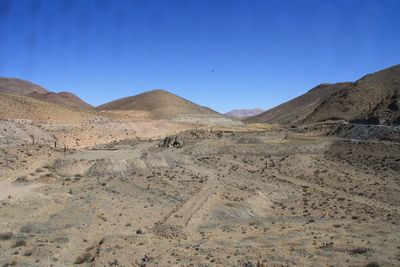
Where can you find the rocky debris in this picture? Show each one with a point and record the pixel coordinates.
(21, 179)
(171, 141)
(18, 132)
(346, 130)
(85, 257)
(249, 140)
(111, 167)
(372, 264)
(359, 250)
(217, 121)
(139, 231)
(367, 132)
(20, 243)
(184, 137)
(6, 236)
(169, 231)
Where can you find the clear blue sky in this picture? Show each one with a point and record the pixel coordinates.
(223, 54)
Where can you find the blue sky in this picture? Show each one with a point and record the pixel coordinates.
(224, 54)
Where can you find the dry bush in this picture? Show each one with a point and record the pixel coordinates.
(6, 236)
(20, 243)
(85, 257)
(38, 170)
(21, 179)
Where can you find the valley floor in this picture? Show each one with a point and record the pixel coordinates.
(265, 198)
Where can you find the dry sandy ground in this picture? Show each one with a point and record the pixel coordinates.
(85, 134)
(267, 198)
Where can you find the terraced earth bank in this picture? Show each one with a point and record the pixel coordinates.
(278, 197)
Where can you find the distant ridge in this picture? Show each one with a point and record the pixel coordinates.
(25, 88)
(63, 98)
(19, 87)
(160, 103)
(373, 99)
(244, 113)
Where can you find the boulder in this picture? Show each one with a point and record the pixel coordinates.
(171, 141)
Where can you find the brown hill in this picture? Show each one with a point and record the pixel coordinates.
(19, 87)
(25, 88)
(23, 107)
(62, 98)
(298, 108)
(161, 104)
(373, 99)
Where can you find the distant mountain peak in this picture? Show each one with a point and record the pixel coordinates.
(243, 113)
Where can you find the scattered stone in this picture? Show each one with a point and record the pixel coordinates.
(139, 232)
(169, 231)
(20, 243)
(85, 257)
(359, 250)
(171, 141)
(6, 236)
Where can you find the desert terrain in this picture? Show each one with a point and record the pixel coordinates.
(271, 197)
(157, 180)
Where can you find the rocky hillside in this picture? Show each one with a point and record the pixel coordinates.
(295, 110)
(19, 87)
(25, 88)
(62, 98)
(23, 107)
(373, 99)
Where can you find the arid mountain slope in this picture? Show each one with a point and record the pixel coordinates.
(19, 87)
(22, 107)
(299, 108)
(62, 98)
(244, 113)
(161, 104)
(25, 88)
(373, 99)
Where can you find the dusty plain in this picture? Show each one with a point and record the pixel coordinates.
(205, 196)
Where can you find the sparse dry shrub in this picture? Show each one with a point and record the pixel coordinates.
(372, 264)
(6, 236)
(20, 243)
(22, 179)
(13, 263)
(85, 257)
